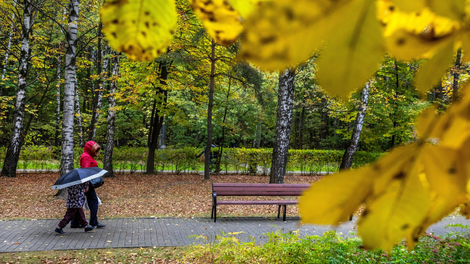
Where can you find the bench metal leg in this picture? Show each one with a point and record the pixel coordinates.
(279, 211)
(214, 206)
(215, 213)
(284, 218)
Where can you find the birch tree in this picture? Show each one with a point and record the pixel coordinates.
(66, 162)
(7, 51)
(108, 152)
(285, 105)
(348, 156)
(58, 86)
(99, 95)
(79, 116)
(16, 138)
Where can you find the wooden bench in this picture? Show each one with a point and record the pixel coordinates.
(255, 189)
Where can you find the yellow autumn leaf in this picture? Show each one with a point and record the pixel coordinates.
(244, 7)
(394, 213)
(393, 166)
(141, 29)
(416, 34)
(281, 34)
(454, 9)
(221, 21)
(465, 155)
(425, 122)
(404, 45)
(453, 128)
(464, 41)
(446, 175)
(454, 131)
(409, 6)
(342, 194)
(433, 70)
(354, 52)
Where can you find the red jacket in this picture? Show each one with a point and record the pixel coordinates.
(87, 160)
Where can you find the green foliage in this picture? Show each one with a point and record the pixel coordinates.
(240, 160)
(332, 247)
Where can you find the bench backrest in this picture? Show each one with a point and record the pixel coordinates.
(258, 189)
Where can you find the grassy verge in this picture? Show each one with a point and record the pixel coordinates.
(107, 255)
(43, 165)
(281, 248)
(329, 248)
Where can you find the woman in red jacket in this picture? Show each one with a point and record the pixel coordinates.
(91, 150)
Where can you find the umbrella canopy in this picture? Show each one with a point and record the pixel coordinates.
(78, 176)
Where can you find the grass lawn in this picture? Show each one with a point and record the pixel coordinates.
(107, 255)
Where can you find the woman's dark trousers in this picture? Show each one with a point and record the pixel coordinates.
(92, 200)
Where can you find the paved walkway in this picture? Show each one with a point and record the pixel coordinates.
(35, 235)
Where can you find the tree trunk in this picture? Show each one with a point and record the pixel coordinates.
(283, 125)
(108, 153)
(58, 88)
(301, 128)
(209, 114)
(66, 162)
(7, 51)
(456, 70)
(101, 64)
(221, 143)
(156, 122)
(324, 120)
(79, 116)
(99, 97)
(16, 138)
(57, 111)
(356, 135)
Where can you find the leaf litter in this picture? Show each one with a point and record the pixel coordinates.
(137, 195)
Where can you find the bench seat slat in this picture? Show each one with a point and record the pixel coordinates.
(259, 193)
(266, 185)
(277, 189)
(257, 202)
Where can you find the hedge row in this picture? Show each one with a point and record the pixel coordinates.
(240, 160)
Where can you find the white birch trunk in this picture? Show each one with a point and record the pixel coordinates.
(57, 111)
(58, 88)
(16, 139)
(96, 111)
(79, 116)
(356, 135)
(108, 153)
(285, 105)
(66, 162)
(7, 51)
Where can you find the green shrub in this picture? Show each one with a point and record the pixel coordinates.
(329, 248)
(239, 160)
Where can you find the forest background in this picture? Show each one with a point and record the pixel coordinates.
(174, 87)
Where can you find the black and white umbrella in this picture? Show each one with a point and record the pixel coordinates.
(78, 176)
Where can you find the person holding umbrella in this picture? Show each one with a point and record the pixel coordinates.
(91, 150)
(77, 183)
(75, 201)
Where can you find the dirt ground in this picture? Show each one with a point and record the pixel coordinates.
(135, 195)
